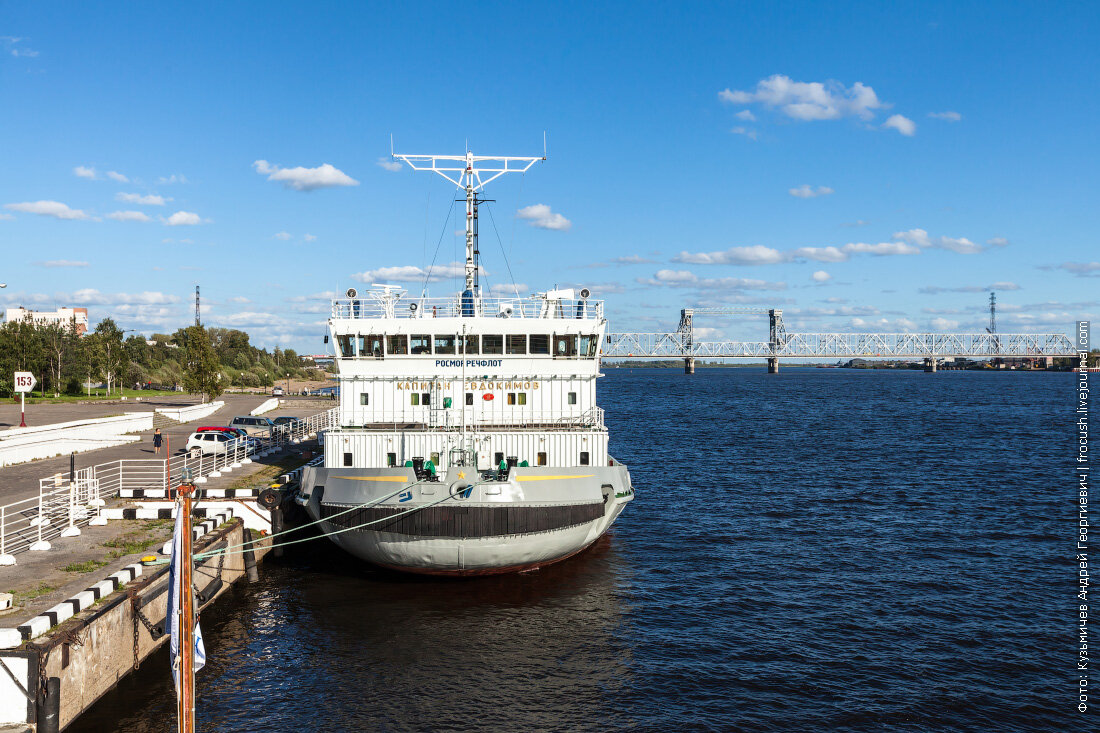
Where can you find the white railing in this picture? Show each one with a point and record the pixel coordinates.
(451, 419)
(65, 503)
(453, 307)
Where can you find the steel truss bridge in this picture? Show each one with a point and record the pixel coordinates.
(681, 344)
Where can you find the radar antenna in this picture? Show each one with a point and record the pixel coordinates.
(472, 174)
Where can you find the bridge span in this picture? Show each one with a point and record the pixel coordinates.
(931, 347)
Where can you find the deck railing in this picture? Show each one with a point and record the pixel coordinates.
(454, 307)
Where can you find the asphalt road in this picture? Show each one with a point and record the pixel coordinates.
(21, 481)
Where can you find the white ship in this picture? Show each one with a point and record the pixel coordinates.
(469, 439)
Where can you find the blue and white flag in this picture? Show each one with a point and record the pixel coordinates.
(175, 593)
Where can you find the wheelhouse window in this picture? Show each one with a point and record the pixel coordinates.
(587, 346)
(517, 343)
(364, 398)
(414, 399)
(511, 398)
(522, 396)
(347, 346)
(565, 345)
(469, 398)
(347, 459)
(572, 398)
(370, 345)
(398, 344)
(540, 343)
(584, 458)
(542, 458)
(471, 346)
(391, 459)
(420, 343)
(444, 344)
(492, 344)
(425, 398)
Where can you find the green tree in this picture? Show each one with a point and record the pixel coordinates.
(201, 366)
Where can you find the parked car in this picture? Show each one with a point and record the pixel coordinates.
(231, 432)
(252, 424)
(277, 392)
(208, 443)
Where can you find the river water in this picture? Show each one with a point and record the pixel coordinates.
(815, 550)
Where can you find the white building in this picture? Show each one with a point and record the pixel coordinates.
(62, 316)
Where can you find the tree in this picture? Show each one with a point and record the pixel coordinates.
(60, 343)
(107, 341)
(200, 364)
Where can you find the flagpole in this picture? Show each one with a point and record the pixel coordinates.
(186, 697)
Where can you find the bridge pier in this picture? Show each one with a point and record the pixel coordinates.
(689, 365)
(773, 365)
(930, 365)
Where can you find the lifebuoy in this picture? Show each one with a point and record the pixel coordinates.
(487, 396)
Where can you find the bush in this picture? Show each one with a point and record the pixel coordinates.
(72, 387)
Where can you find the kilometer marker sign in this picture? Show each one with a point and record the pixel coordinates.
(24, 382)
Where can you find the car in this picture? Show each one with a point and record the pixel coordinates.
(232, 432)
(208, 443)
(277, 392)
(252, 424)
(284, 424)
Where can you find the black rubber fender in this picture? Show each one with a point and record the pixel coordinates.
(270, 498)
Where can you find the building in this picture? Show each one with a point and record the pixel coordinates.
(62, 316)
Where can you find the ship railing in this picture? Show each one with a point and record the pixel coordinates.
(493, 307)
(546, 420)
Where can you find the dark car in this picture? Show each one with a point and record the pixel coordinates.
(284, 424)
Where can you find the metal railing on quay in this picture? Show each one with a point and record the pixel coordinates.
(67, 502)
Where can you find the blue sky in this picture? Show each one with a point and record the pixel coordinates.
(862, 166)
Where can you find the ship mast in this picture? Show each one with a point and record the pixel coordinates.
(472, 174)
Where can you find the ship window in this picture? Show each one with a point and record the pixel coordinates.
(421, 343)
(540, 343)
(469, 398)
(435, 459)
(364, 398)
(391, 459)
(511, 398)
(498, 458)
(565, 345)
(444, 344)
(347, 459)
(347, 348)
(471, 344)
(584, 458)
(370, 345)
(572, 398)
(517, 343)
(542, 458)
(426, 398)
(587, 346)
(492, 344)
(414, 399)
(398, 344)
(522, 398)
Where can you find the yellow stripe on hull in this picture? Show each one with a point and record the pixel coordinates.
(550, 478)
(394, 479)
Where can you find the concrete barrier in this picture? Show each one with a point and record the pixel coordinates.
(19, 445)
(191, 412)
(265, 406)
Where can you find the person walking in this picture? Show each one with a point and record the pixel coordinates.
(157, 438)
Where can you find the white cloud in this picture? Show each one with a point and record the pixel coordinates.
(948, 115)
(750, 134)
(997, 242)
(5, 216)
(539, 215)
(856, 223)
(412, 273)
(806, 191)
(183, 218)
(902, 124)
(24, 52)
(632, 260)
(936, 289)
(687, 279)
(757, 254)
(284, 236)
(136, 198)
(1081, 269)
(56, 209)
(809, 100)
(305, 179)
(900, 325)
(880, 249)
(746, 115)
(62, 263)
(164, 181)
(821, 254)
(116, 176)
(820, 276)
(91, 296)
(85, 172)
(944, 324)
(310, 237)
(390, 165)
(920, 238)
(128, 216)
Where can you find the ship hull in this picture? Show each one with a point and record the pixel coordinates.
(460, 527)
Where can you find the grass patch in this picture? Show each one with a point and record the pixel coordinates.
(128, 544)
(267, 474)
(87, 566)
(20, 597)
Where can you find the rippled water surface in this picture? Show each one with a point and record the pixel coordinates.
(814, 550)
